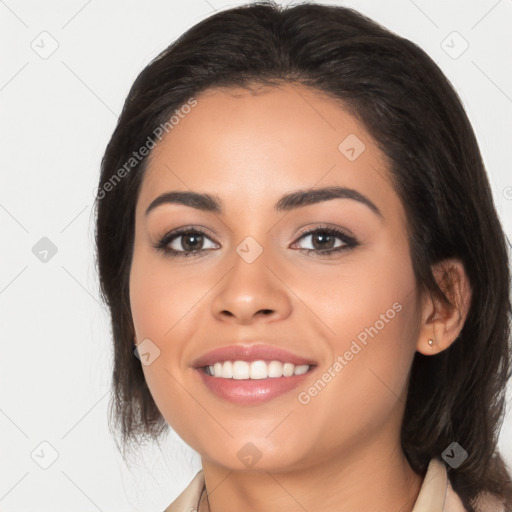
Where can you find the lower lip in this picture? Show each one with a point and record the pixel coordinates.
(251, 391)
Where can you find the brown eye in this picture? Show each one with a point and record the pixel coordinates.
(325, 241)
(191, 242)
(185, 242)
(320, 240)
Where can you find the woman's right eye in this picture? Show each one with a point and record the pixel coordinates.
(185, 242)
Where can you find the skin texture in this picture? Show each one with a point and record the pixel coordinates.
(249, 149)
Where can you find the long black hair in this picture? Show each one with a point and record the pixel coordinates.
(409, 107)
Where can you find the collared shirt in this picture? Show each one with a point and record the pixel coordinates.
(436, 494)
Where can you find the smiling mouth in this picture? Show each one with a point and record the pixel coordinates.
(255, 370)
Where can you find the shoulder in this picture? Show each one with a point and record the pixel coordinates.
(188, 500)
(486, 502)
(437, 494)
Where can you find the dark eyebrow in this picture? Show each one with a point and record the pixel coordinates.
(291, 201)
(306, 197)
(205, 202)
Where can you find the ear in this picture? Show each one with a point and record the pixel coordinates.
(441, 322)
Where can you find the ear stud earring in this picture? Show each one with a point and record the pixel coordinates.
(431, 342)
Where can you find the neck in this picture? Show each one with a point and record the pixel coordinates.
(367, 479)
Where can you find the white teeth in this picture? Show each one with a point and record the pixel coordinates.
(255, 370)
(227, 370)
(288, 369)
(299, 370)
(258, 370)
(275, 369)
(240, 370)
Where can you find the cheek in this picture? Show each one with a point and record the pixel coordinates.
(362, 390)
(160, 298)
(373, 318)
(167, 307)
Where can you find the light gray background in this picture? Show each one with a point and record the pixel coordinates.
(58, 112)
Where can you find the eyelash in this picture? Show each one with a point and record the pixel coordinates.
(349, 241)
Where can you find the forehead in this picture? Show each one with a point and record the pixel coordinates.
(259, 144)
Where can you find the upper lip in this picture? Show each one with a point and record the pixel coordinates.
(254, 352)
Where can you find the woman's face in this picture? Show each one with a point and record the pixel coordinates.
(352, 316)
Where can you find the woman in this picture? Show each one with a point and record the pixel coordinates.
(296, 231)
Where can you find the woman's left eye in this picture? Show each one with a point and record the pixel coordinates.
(325, 241)
(187, 242)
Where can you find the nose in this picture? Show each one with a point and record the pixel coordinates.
(251, 292)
